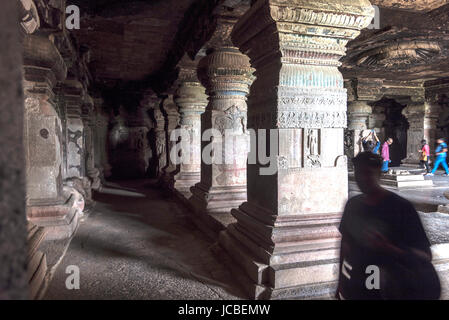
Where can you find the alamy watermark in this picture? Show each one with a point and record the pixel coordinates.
(72, 282)
(72, 20)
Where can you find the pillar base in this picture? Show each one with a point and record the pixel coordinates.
(410, 162)
(60, 221)
(294, 258)
(184, 181)
(207, 200)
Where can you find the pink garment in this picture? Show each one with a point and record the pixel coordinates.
(385, 152)
(426, 149)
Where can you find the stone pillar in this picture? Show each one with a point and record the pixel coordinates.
(43, 67)
(13, 235)
(191, 100)
(161, 141)
(227, 76)
(100, 131)
(171, 115)
(376, 121)
(285, 241)
(358, 115)
(150, 103)
(73, 96)
(422, 118)
(138, 141)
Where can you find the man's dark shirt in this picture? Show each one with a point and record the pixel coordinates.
(394, 218)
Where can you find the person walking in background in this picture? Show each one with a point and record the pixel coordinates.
(441, 153)
(368, 142)
(386, 154)
(425, 154)
(377, 146)
(382, 231)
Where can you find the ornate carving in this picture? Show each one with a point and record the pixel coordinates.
(312, 149)
(283, 163)
(233, 118)
(400, 54)
(32, 105)
(317, 119)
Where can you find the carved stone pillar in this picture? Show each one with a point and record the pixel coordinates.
(100, 130)
(138, 142)
(150, 103)
(191, 100)
(227, 76)
(285, 240)
(73, 96)
(91, 178)
(170, 111)
(47, 203)
(422, 118)
(358, 115)
(161, 141)
(376, 121)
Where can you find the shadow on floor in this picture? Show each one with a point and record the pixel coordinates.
(138, 244)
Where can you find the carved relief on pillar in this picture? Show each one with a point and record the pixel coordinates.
(74, 94)
(312, 149)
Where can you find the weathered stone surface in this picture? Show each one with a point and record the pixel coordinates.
(13, 234)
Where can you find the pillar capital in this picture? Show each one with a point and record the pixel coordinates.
(42, 61)
(226, 70)
(358, 115)
(190, 97)
(421, 109)
(281, 29)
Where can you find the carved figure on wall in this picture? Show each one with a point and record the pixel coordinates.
(313, 159)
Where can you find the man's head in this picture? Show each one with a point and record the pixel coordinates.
(367, 167)
(440, 140)
(390, 141)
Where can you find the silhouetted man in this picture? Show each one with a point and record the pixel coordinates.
(385, 253)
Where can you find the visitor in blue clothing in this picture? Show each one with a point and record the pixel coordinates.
(368, 143)
(441, 153)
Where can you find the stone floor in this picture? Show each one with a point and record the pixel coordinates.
(425, 199)
(136, 244)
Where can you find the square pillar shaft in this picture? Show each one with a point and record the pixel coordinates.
(286, 237)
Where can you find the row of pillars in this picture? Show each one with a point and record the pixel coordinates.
(59, 135)
(422, 117)
(282, 240)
